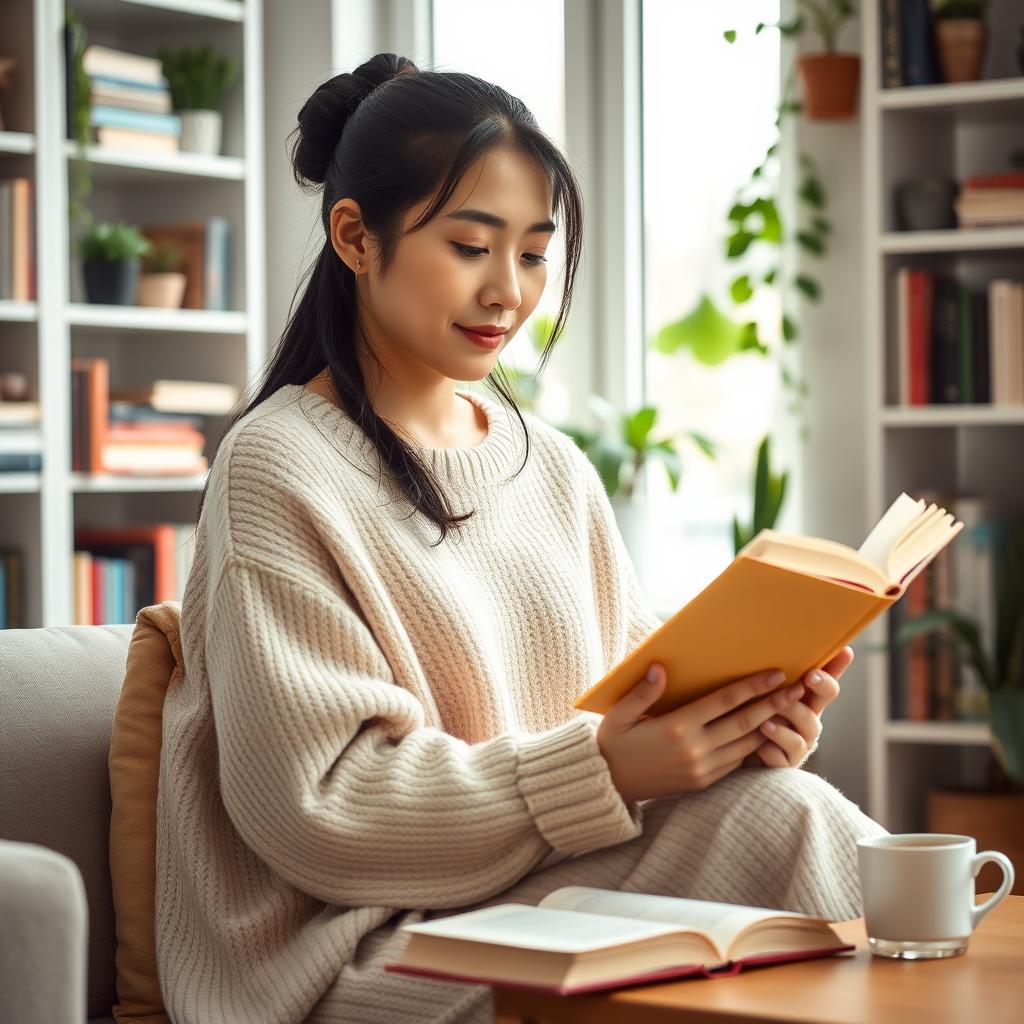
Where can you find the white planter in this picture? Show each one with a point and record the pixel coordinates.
(633, 518)
(200, 131)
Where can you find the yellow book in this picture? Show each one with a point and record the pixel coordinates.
(784, 602)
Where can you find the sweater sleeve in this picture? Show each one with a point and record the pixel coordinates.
(329, 774)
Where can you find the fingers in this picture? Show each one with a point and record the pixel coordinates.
(741, 749)
(748, 719)
(730, 697)
(822, 692)
(840, 663)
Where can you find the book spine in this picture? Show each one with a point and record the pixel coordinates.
(944, 337)
(965, 342)
(892, 44)
(982, 350)
(919, 315)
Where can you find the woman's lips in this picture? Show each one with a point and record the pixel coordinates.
(487, 341)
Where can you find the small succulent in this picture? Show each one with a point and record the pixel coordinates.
(163, 258)
(112, 241)
(196, 76)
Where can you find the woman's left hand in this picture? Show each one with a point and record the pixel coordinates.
(791, 737)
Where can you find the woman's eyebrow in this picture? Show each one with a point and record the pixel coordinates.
(497, 222)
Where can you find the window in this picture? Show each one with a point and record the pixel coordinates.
(708, 117)
(493, 42)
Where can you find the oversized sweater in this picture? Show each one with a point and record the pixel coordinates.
(366, 721)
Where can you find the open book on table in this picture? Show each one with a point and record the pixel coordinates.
(581, 939)
(786, 602)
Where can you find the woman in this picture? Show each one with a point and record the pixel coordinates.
(375, 723)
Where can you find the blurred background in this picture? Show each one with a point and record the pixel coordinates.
(802, 293)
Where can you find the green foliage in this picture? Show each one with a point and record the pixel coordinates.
(111, 241)
(197, 78)
(960, 9)
(162, 258)
(81, 178)
(623, 445)
(769, 492)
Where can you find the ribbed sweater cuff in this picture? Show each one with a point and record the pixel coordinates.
(568, 789)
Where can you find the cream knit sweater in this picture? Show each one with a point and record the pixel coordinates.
(366, 722)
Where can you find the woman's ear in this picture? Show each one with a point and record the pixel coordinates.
(348, 236)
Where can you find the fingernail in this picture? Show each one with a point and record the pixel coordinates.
(652, 675)
(814, 678)
(776, 679)
(794, 691)
(768, 726)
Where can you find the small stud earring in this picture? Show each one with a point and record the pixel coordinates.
(358, 265)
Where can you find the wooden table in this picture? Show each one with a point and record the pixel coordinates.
(985, 985)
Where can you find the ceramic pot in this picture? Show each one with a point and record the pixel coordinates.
(200, 131)
(926, 204)
(961, 44)
(830, 84)
(111, 282)
(162, 290)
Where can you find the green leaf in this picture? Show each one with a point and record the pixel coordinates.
(705, 444)
(738, 244)
(759, 28)
(771, 230)
(769, 278)
(789, 329)
(812, 192)
(812, 243)
(792, 27)
(738, 213)
(808, 286)
(730, 35)
(710, 335)
(541, 328)
(740, 289)
(750, 341)
(822, 226)
(608, 457)
(637, 427)
(670, 459)
(964, 633)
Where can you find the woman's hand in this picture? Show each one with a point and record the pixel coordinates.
(792, 735)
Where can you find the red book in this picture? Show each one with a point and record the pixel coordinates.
(582, 939)
(160, 535)
(1011, 179)
(920, 324)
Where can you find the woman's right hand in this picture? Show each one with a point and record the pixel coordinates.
(693, 746)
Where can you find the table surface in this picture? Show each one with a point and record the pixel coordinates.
(985, 984)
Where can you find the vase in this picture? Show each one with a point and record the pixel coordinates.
(111, 282)
(200, 131)
(632, 517)
(961, 44)
(926, 204)
(830, 85)
(164, 291)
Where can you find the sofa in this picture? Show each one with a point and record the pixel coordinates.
(59, 690)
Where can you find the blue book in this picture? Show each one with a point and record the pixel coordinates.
(132, 82)
(140, 120)
(215, 263)
(920, 56)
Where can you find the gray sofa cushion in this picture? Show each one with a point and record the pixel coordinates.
(59, 688)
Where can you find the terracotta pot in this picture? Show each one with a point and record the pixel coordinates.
(163, 290)
(995, 820)
(961, 44)
(830, 82)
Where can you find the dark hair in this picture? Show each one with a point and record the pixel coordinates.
(388, 135)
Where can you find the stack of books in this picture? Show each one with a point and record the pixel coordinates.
(153, 431)
(991, 200)
(17, 239)
(131, 101)
(20, 439)
(955, 345)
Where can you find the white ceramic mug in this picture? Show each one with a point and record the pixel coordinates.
(918, 892)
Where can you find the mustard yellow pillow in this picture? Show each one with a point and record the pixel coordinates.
(153, 665)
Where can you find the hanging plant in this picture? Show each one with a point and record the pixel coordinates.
(81, 175)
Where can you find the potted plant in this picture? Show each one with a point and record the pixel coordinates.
(961, 37)
(198, 79)
(995, 815)
(830, 79)
(110, 254)
(161, 283)
(620, 451)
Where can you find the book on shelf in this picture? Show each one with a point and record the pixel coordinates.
(18, 281)
(955, 344)
(142, 447)
(205, 246)
(991, 200)
(929, 678)
(583, 939)
(183, 396)
(118, 570)
(784, 602)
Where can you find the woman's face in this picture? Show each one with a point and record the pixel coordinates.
(480, 260)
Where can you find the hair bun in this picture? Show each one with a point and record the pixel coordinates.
(324, 115)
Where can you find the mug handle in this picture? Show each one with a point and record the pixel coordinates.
(988, 857)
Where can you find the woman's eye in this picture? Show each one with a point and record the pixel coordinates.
(533, 258)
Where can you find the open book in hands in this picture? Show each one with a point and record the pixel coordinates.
(785, 602)
(581, 939)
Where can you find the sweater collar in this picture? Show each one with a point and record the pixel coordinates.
(496, 457)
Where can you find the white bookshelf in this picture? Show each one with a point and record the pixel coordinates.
(951, 130)
(40, 511)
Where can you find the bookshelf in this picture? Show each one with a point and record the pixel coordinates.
(39, 512)
(951, 130)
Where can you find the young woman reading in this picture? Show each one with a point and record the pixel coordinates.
(400, 587)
